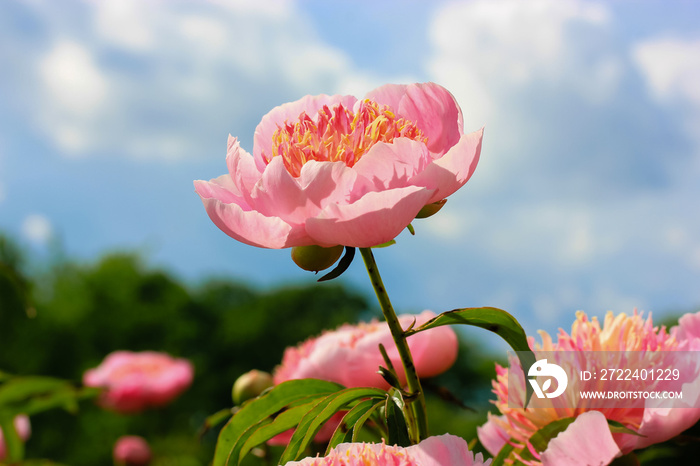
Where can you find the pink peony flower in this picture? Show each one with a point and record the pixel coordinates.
(434, 451)
(350, 354)
(335, 170)
(618, 333)
(131, 450)
(24, 430)
(136, 381)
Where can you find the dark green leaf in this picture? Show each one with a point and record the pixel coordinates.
(342, 266)
(495, 320)
(396, 423)
(284, 421)
(343, 433)
(258, 409)
(312, 422)
(361, 422)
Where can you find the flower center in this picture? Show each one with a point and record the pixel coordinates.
(339, 135)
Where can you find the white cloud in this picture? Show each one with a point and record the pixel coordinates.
(671, 68)
(73, 80)
(485, 47)
(156, 79)
(75, 94)
(37, 229)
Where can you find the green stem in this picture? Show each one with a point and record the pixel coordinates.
(415, 401)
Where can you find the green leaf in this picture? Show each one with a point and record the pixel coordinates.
(541, 438)
(506, 450)
(13, 442)
(619, 428)
(495, 320)
(19, 389)
(214, 419)
(361, 422)
(284, 421)
(385, 245)
(344, 432)
(256, 410)
(396, 422)
(312, 422)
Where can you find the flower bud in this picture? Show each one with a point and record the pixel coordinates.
(315, 258)
(429, 210)
(131, 450)
(250, 385)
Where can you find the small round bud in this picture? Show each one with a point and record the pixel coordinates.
(315, 258)
(250, 385)
(429, 210)
(131, 450)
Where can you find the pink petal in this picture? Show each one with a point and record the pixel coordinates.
(491, 435)
(324, 183)
(586, 441)
(221, 188)
(289, 112)
(689, 326)
(389, 166)
(443, 450)
(450, 172)
(253, 228)
(430, 106)
(241, 168)
(278, 194)
(374, 219)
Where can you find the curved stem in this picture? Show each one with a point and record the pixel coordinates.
(416, 400)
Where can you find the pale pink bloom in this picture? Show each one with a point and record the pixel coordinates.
(131, 450)
(350, 354)
(336, 170)
(633, 334)
(24, 430)
(134, 381)
(442, 450)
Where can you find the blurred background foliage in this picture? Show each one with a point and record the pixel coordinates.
(63, 317)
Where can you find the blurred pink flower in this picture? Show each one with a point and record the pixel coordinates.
(136, 381)
(335, 170)
(24, 430)
(434, 451)
(618, 333)
(131, 450)
(350, 354)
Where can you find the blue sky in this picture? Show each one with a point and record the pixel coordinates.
(585, 197)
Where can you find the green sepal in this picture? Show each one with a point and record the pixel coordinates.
(342, 266)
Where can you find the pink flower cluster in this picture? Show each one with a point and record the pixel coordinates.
(443, 450)
(350, 354)
(336, 170)
(620, 333)
(136, 381)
